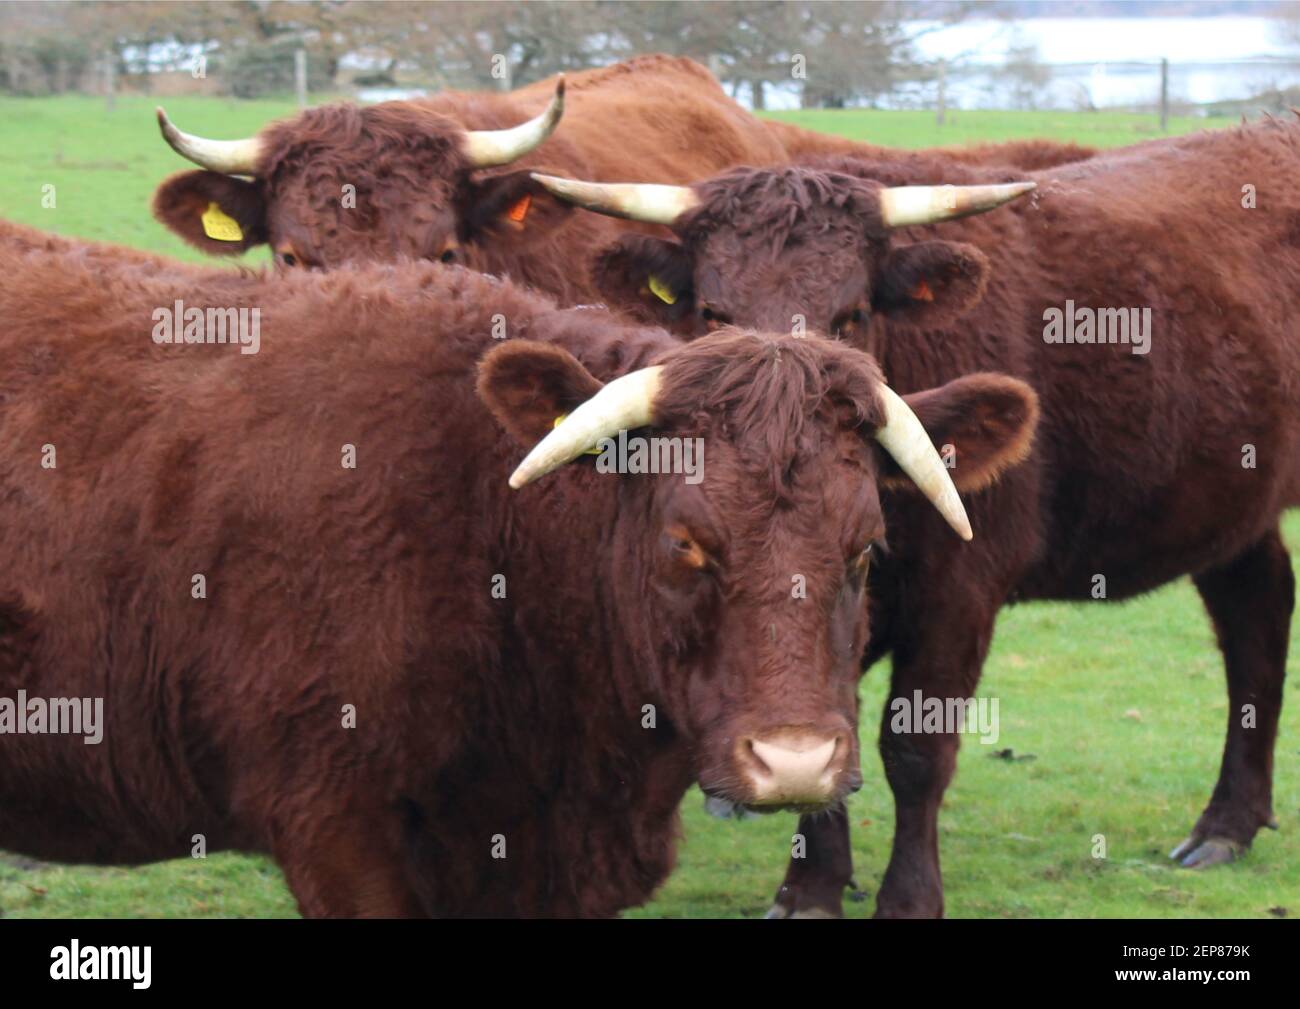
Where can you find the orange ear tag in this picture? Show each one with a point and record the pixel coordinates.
(922, 292)
(519, 211)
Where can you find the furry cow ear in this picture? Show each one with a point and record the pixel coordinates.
(217, 214)
(512, 203)
(528, 385)
(981, 424)
(649, 278)
(930, 283)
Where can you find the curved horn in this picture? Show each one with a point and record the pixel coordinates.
(488, 148)
(904, 205)
(904, 438)
(231, 157)
(623, 404)
(634, 201)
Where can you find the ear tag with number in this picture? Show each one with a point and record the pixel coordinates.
(219, 226)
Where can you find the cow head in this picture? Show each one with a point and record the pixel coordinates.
(770, 247)
(741, 595)
(345, 183)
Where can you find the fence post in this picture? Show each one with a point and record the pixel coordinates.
(110, 80)
(300, 76)
(1164, 95)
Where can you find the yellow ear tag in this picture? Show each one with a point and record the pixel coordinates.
(560, 420)
(219, 226)
(662, 291)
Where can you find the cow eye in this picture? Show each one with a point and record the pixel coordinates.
(846, 322)
(685, 550)
(714, 319)
(448, 256)
(288, 259)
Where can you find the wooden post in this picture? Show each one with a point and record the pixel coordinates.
(110, 80)
(1164, 95)
(300, 76)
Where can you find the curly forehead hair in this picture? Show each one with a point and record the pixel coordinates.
(779, 206)
(373, 140)
(774, 395)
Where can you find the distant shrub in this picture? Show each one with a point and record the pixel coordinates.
(254, 71)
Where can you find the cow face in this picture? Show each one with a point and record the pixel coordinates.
(739, 586)
(343, 183)
(792, 250)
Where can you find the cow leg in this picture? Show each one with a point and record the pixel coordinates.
(347, 867)
(919, 765)
(814, 885)
(1250, 600)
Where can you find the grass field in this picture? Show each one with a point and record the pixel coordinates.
(1115, 714)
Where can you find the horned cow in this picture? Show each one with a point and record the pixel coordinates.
(323, 626)
(1162, 453)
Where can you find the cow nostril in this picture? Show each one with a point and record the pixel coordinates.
(753, 760)
(792, 766)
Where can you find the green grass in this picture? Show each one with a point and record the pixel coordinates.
(919, 128)
(1122, 707)
(105, 165)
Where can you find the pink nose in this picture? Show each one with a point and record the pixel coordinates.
(792, 767)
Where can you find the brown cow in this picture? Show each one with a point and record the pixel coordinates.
(447, 177)
(803, 145)
(429, 183)
(1163, 452)
(307, 616)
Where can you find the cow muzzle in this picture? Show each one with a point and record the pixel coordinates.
(793, 767)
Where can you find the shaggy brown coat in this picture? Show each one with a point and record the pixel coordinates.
(655, 119)
(346, 689)
(1147, 467)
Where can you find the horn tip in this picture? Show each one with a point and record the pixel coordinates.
(518, 478)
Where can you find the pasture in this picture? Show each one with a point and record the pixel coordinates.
(1111, 716)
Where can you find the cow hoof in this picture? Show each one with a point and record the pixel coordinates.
(1197, 854)
(780, 911)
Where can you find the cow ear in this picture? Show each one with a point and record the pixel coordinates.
(509, 204)
(649, 278)
(930, 283)
(529, 385)
(215, 213)
(982, 424)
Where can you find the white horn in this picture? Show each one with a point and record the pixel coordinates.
(623, 404)
(488, 148)
(633, 201)
(904, 438)
(230, 157)
(901, 206)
